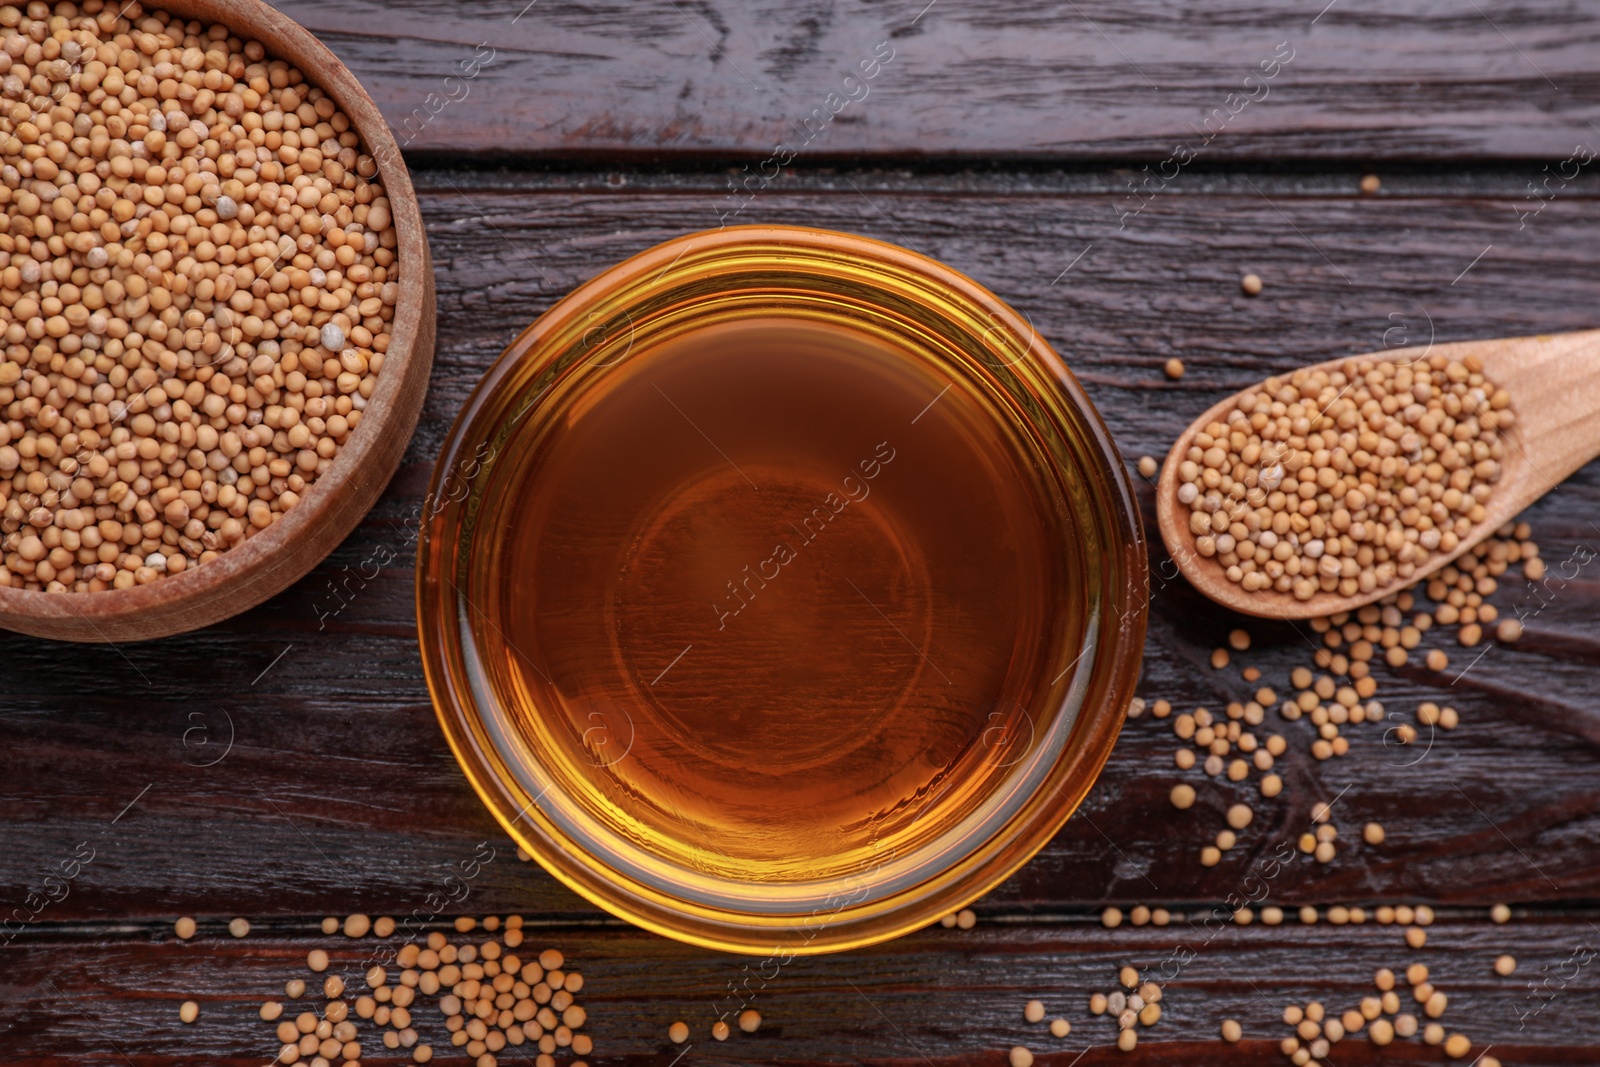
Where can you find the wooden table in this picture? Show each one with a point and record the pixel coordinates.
(1109, 169)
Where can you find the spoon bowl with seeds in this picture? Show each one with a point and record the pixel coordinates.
(1330, 487)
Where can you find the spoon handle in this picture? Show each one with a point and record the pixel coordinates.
(1554, 384)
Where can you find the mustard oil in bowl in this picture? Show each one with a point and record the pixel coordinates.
(780, 591)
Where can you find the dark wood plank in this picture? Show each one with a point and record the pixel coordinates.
(337, 794)
(938, 997)
(1007, 80)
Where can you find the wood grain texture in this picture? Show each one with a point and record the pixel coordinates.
(336, 794)
(1018, 79)
(938, 997)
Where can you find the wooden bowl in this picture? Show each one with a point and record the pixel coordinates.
(270, 561)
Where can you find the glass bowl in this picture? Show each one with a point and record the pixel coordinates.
(858, 731)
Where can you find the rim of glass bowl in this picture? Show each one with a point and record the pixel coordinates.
(591, 329)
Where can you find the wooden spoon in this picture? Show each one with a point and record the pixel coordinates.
(1554, 382)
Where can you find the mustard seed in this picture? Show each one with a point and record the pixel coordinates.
(317, 960)
(239, 927)
(1098, 1003)
(1148, 466)
(1128, 1040)
(270, 1010)
(1182, 796)
(1457, 1046)
(749, 1020)
(719, 1030)
(357, 926)
(330, 925)
(1210, 856)
(194, 323)
(1416, 936)
(294, 989)
(1033, 1011)
(1325, 480)
(422, 1053)
(1370, 184)
(1251, 284)
(678, 1032)
(966, 919)
(188, 1011)
(1239, 640)
(1174, 368)
(1505, 965)
(1231, 1030)
(1240, 816)
(1500, 913)
(1020, 1057)
(1060, 1028)
(184, 928)
(1372, 834)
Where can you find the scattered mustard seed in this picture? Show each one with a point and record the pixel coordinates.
(678, 1032)
(317, 960)
(1148, 466)
(1372, 834)
(749, 1020)
(1060, 1028)
(966, 919)
(1021, 1057)
(1500, 913)
(1240, 816)
(1231, 1030)
(1505, 965)
(1251, 284)
(239, 927)
(188, 1011)
(719, 1030)
(184, 928)
(357, 926)
(1033, 1011)
(1183, 796)
(1174, 368)
(1370, 184)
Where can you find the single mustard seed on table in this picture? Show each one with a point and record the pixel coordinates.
(719, 1030)
(317, 960)
(1174, 368)
(239, 927)
(1500, 913)
(1033, 1011)
(1231, 1031)
(184, 928)
(1251, 284)
(749, 1020)
(1148, 466)
(966, 919)
(357, 926)
(1370, 184)
(188, 1011)
(1111, 918)
(1372, 834)
(1060, 1028)
(1505, 965)
(678, 1033)
(1021, 1057)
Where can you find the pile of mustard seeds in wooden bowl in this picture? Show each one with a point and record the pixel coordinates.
(212, 276)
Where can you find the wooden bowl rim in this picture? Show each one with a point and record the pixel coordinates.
(107, 613)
